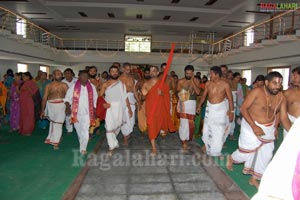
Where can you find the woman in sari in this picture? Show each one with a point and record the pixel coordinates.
(14, 96)
(28, 90)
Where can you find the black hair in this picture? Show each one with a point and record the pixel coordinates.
(297, 70)
(154, 67)
(126, 64)
(163, 64)
(235, 74)
(216, 70)
(10, 72)
(189, 67)
(259, 78)
(92, 67)
(113, 67)
(28, 74)
(69, 70)
(82, 72)
(272, 75)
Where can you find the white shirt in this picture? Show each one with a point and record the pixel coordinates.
(83, 107)
(73, 81)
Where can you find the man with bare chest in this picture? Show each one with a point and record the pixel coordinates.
(292, 96)
(217, 114)
(187, 89)
(53, 108)
(127, 79)
(261, 110)
(114, 93)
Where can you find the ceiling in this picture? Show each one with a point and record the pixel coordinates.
(168, 18)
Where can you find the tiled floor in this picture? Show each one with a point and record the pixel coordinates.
(133, 174)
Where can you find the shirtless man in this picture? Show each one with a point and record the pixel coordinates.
(261, 110)
(129, 82)
(116, 99)
(188, 90)
(292, 96)
(55, 110)
(142, 123)
(224, 70)
(217, 113)
(92, 71)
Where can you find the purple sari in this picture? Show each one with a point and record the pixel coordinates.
(14, 106)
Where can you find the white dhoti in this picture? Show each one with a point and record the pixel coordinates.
(82, 129)
(292, 119)
(215, 127)
(187, 110)
(69, 125)
(232, 124)
(277, 180)
(255, 152)
(116, 96)
(127, 127)
(55, 112)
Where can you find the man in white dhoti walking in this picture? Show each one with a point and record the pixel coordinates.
(188, 89)
(69, 79)
(127, 79)
(217, 113)
(292, 96)
(261, 115)
(116, 99)
(81, 100)
(53, 108)
(278, 180)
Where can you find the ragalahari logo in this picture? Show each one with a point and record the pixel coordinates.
(278, 7)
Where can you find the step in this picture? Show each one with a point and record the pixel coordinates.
(5, 32)
(256, 46)
(269, 42)
(245, 48)
(286, 38)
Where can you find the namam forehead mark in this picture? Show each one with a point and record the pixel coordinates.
(277, 81)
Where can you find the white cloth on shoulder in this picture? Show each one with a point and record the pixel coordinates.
(116, 96)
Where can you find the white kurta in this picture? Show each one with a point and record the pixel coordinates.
(55, 112)
(116, 96)
(83, 124)
(277, 179)
(215, 127)
(128, 125)
(255, 152)
(69, 126)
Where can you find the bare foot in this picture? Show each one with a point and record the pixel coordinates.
(55, 147)
(83, 152)
(203, 148)
(153, 152)
(229, 163)
(253, 182)
(184, 147)
(232, 137)
(110, 153)
(125, 142)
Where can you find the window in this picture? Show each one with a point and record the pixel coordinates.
(135, 43)
(22, 67)
(246, 73)
(45, 69)
(249, 37)
(285, 72)
(21, 27)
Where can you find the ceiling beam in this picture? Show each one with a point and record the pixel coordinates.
(136, 6)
